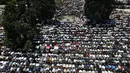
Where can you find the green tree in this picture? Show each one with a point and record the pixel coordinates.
(98, 10)
(17, 29)
(28, 45)
(4, 2)
(45, 9)
(19, 22)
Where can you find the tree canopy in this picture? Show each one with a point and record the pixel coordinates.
(4, 2)
(98, 10)
(20, 19)
(45, 8)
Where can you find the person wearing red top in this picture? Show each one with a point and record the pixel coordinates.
(122, 67)
(76, 43)
(86, 55)
(47, 48)
(77, 71)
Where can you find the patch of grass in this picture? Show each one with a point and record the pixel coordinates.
(58, 1)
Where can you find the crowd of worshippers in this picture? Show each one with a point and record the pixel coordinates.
(68, 48)
(71, 7)
(18, 62)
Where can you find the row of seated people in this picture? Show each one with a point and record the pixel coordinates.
(36, 62)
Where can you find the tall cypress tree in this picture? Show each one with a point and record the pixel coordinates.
(19, 21)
